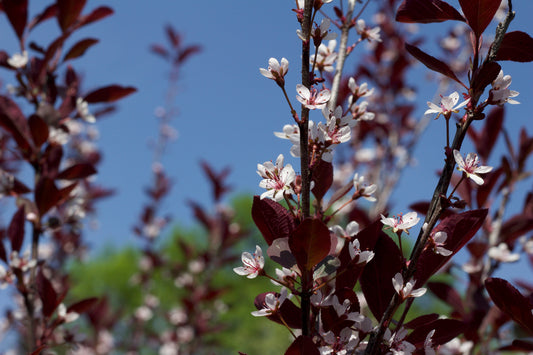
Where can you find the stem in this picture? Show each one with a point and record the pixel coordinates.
(304, 160)
(341, 58)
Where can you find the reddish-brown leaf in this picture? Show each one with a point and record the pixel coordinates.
(69, 11)
(47, 294)
(460, 228)
(427, 11)
(96, 15)
(432, 63)
(484, 76)
(109, 93)
(486, 139)
(302, 345)
(310, 243)
(83, 305)
(187, 52)
(323, 177)
(479, 13)
(421, 320)
(272, 219)
(445, 330)
(17, 14)
(483, 192)
(376, 280)
(173, 36)
(79, 48)
(511, 301)
(38, 129)
(14, 121)
(48, 13)
(78, 171)
(46, 195)
(15, 231)
(3, 253)
(516, 46)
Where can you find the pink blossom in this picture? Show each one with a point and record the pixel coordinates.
(370, 34)
(500, 92)
(471, 166)
(439, 239)
(273, 302)
(252, 264)
(277, 179)
(406, 290)
(276, 71)
(312, 99)
(448, 104)
(401, 222)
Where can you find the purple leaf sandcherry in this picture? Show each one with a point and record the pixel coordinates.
(277, 179)
(401, 222)
(273, 302)
(276, 71)
(312, 99)
(500, 92)
(448, 104)
(406, 290)
(470, 167)
(252, 263)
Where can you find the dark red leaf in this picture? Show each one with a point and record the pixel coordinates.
(173, 37)
(484, 191)
(427, 11)
(47, 294)
(445, 330)
(460, 228)
(479, 13)
(432, 63)
(310, 243)
(280, 252)
(376, 280)
(46, 195)
(447, 294)
(525, 149)
(484, 76)
(15, 231)
(3, 253)
(217, 180)
(515, 227)
(516, 46)
(19, 188)
(38, 129)
(69, 11)
(52, 159)
(79, 48)
(421, 320)
(48, 13)
(511, 301)
(17, 13)
(302, 345)
(159, 50)
(187, 52)
(518, 345)
(14, 121)
(272, 219)
(109, 93)
(78, 171)
(83, 305)
(96, 15)
(323, 177)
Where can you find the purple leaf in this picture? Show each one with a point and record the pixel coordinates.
(323, 177)
(272, 219)
(479, 13)
(516, 46)
(69, 11)
(427, 11)
(432, 62)
(109, 93)
(302, 345)
(17, 14)
(79, 48)
(511, 301)
(15, 231)
(78, 171)
(310, 243)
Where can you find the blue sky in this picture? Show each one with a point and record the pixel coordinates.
(228, 111)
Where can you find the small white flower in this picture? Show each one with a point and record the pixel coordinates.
(406, 290)
(401, 222)
(370, 34)
(439, 239)
(502, 254)
(252, 264)
(355, 250)
(66, 316)
(447, 105)
(18, 60)
(470, 166)
(83, 110)
(500, 92)
(276, 71)
(272, 303)
(312, 99)
(277, 179)
(365, 191)
(361, 90)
